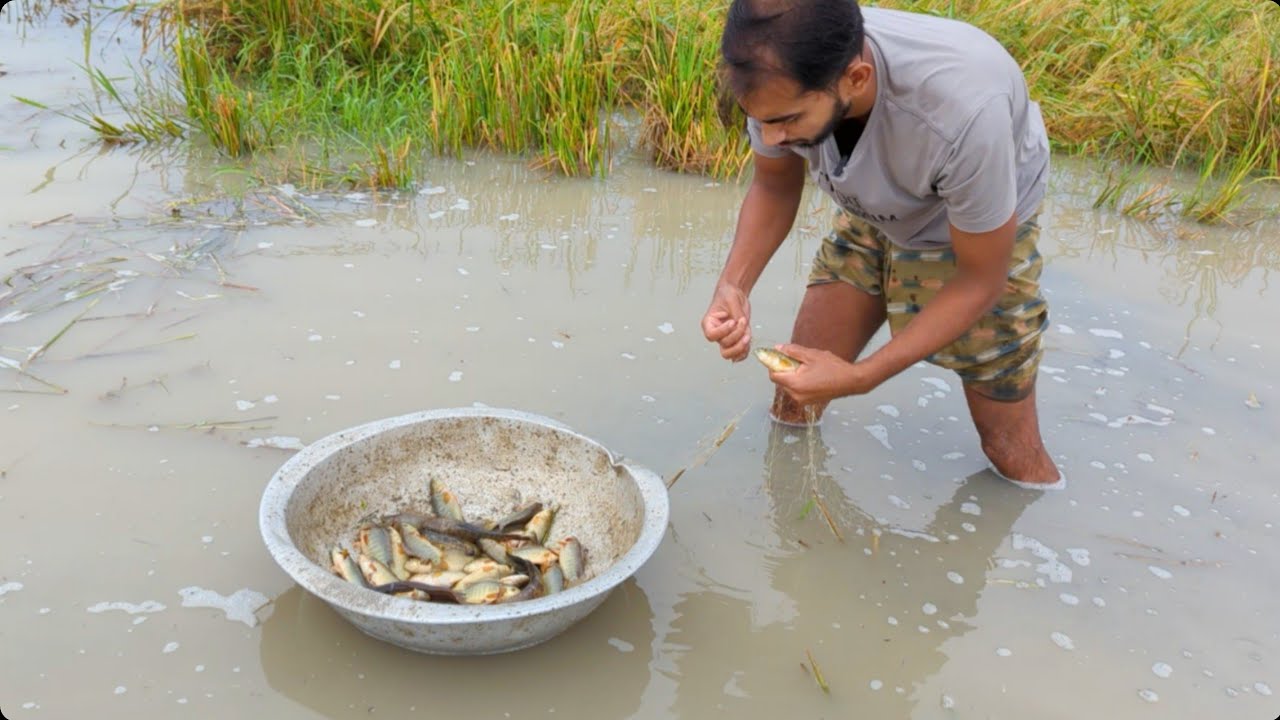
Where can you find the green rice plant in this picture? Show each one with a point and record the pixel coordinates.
(1181, 84)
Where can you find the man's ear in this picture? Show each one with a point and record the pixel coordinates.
(857, 74)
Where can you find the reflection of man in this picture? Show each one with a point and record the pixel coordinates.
(922, 131)
(837, 600)
(918, 576)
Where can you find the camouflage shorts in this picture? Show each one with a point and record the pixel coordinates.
(1000, 355)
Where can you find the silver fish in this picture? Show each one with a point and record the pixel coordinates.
(418, 545)
(375, 542)
(553, 579)
(571, 558)
(346, 567)
(375, 572)
(398, 555)
(444, 502)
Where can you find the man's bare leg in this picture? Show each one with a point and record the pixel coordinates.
(836, 317)
(1010, 434)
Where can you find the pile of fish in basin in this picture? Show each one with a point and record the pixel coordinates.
(462, 531)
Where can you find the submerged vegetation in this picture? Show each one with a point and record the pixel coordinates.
(355, 90)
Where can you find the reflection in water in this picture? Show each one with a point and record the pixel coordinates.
(1198, 260)
(875, 610)
(314, 657)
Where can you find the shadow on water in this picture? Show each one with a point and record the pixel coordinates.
(842, 596)
(314, 657)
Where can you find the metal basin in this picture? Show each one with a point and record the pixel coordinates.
(492, 459)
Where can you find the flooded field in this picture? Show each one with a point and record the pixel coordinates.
(163, 347)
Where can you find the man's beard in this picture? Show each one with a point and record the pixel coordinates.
(837, 116)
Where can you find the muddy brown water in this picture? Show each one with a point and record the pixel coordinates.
(134, 581)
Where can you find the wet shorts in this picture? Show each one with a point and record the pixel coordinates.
(1000, 355)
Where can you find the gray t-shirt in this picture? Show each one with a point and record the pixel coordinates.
(953, 136)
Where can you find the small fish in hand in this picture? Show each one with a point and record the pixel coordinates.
(775, 360)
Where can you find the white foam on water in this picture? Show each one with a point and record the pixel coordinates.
(889, 410)
(435, 215)
(666, 328)
(955, 577)
(315, 338)
(1208, 431)
(1010, 564)
(1115, 354)
(893, 620)
(280, 442)
(366, 222)
(970, 527)
(971, 509)
(170, 647)
(881, 433)
(628, 356)
(455, 376)
(929, 609)
(1106, 333)
(473, 328)
(10, 587)
(199, 668)
(1160, 572)
(1146, 457)
(120, 690)
(1159, 408)
(1069, 599)
(923, 401)
(1262, 689)
(1137, 513)
(899, 502)
(270, 399)
(509, 217)
(1099, 602)
(240, 606)
(876, 684)
(1148, 695)
(1079, 556)
(1138, 420)
(919, 465)
(1098, 416)
(938, 383)
(953, 456)
(1162, 670)
(1062, 641)
(463, 271)
(1004, 652)
(1098, 464)
(1066, 330)
(1052, 567)
(147, 606)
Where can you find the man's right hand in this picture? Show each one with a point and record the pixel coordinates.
(728, 322)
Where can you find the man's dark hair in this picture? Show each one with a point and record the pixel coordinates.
(809, 41)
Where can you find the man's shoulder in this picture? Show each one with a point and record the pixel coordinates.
(940, 72)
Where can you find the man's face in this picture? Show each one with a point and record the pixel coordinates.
(791, 118)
